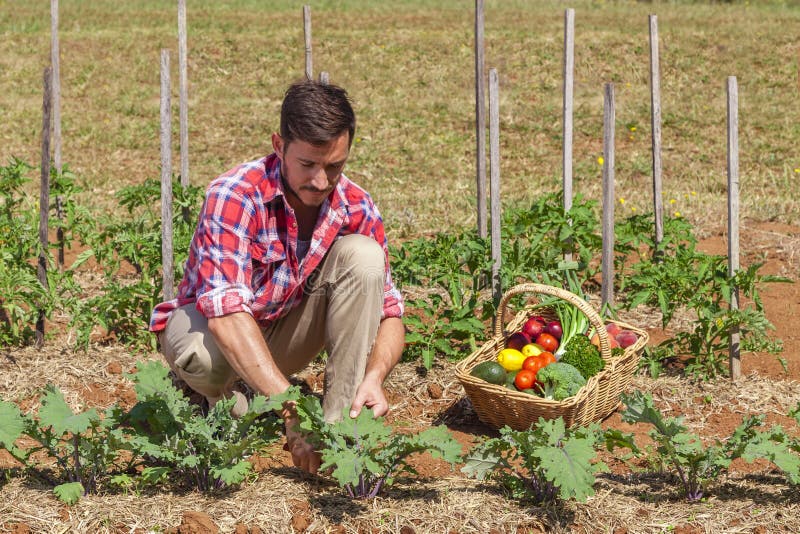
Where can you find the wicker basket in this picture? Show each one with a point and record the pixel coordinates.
(498, 406)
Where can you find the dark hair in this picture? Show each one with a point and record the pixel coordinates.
(316, 113)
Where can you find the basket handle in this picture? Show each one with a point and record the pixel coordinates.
(582, 305)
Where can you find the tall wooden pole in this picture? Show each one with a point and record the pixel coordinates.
(655, 122)
(569, 73)
(733, 216)
(307, 36)
(183, 89)
(480, 119)
(55, 61)
(166, 180)
(44, 195)
(494, 156)
(607, 289)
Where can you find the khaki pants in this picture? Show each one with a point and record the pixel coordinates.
(340, 311)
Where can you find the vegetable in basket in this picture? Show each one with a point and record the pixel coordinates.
(580, 353)
(559, 381)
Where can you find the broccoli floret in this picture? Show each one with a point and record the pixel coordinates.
(580, 353)
(559, 381)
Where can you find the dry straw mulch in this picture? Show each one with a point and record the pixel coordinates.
(280, 499)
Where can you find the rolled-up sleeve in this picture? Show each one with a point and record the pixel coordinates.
(223, 246)
(372, 226)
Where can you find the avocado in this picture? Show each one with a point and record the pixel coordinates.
(490, 371)
(510, 376)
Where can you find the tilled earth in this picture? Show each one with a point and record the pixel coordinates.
(632, 497)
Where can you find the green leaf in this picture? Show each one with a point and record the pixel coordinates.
(570, 467)
(483, 459)
(155, 475)
(439, 442)
(773, 447)
(56, 413)
(151, 378)
(69, 493)
(427, 358)
(121, 481)
(12, 424)
(234, 474)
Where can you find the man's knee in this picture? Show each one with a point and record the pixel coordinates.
(360, 249)
(201, 367)
(193, 354)
(363, 260)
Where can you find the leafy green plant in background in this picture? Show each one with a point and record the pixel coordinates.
(674, 276)
(363, 454)
(84, 445)
(444, 320)
(205, 451)
(22, 294)
(535, 238)
(544, 463)
(132, 240)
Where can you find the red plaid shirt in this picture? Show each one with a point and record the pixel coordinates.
(243, 253)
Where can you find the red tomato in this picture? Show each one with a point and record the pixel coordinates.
(533, 363)
(547, 358)
(547, 342)
(524, 379)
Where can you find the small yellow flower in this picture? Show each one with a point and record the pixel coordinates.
(694, 193)
(686, 196)
(797, 171)
(600, 160)
(633, 209)
(719, 322)
(672, 201)
(677, 214)
(633, 128)
(622, 200)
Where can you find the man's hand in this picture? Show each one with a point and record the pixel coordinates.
(370, 394)
(386, 352)
(303, 455)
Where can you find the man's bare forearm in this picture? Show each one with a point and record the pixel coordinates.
(240, 339)
(387, 349)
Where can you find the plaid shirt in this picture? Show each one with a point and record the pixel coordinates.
(243, 253)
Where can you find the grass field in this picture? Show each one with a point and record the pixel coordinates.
(410, 67)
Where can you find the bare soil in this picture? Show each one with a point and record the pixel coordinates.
(631, 498)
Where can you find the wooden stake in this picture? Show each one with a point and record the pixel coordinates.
(494, 156)
(480, 119)
(307, 35)
(655, 122)
(733, 216)
(44, 195)
(183, 83)
(607, 290)
(55, 61)
(569, 72)
(166, 180)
